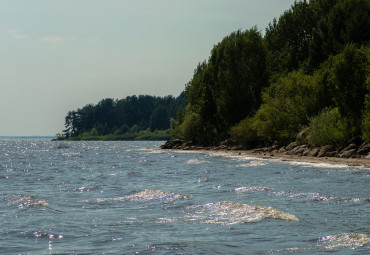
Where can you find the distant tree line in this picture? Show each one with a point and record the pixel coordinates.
(309, 72)
(129, 115)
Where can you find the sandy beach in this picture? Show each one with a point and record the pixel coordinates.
(354, 156)
(363, 163)
(358, 163)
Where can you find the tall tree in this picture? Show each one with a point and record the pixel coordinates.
(347, 22)
(227, 88)
(239, 71)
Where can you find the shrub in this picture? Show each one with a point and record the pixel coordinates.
(191, 128)
(366, 126)
(329, 128)
(366, 115)
(244, 134)
(287, 106)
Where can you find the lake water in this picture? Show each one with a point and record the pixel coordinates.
(132, 198)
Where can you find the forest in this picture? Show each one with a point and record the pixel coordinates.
(308, 74)
(134, 117)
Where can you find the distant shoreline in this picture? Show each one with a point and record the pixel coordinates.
(27, 137)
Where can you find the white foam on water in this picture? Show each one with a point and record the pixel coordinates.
(331, 242)
(257, 161)
(145, 196)
(71, 154)
(317, 196)
(252, 189)
(157, 151)
(25, 201)
(253, 163)
(316, 164)
(233, 155)
(352, 240)
(229, 213)
(197, 161)
(148, 194)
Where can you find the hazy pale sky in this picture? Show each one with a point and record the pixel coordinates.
(59, 55)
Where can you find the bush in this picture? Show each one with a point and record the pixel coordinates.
(244, 134)
(366, 126)
(191, 128)
(157, 135)
(366, 115)
(287, 106)
(175, 124)
(93, 132)
(329, 128)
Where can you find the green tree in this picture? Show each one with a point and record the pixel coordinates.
(288, 39)
(159, 119)
(115, 116)
(345, 77)
(192, 128)
(366, 114)
(239, 70)
(201, 105)
(347, 22)
(227, 88)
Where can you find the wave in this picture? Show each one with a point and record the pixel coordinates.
(343, 240)
(146, 195)
(253, 163)
(252, 189)
(25, 201)
(317, 196)
(197, 161)
(229, 213)
(316, 164)
(331, 243)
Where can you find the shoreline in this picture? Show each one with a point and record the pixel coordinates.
(357, 163)
(284, 154)
(362, 163)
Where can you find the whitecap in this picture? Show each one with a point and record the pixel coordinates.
(319, 197)
(229, 213)
(316, 164)
(253, 163)
(252, 189)
(352, 240)
(25, 201)
(197, 161)
(147, 195)
(157, 151)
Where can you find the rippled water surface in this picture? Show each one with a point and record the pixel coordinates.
(131, 198)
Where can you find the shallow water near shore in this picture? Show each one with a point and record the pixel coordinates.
(132, 198)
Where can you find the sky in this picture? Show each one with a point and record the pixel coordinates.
(60, 55)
